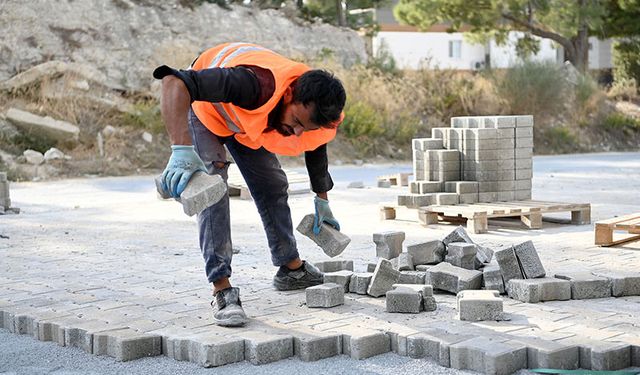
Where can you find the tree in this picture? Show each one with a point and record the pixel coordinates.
(567, 22)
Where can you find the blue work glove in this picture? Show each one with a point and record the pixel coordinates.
(182, 164)
(323, 215)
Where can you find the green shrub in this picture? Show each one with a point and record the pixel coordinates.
(537, 88)
(146, 116)
(618, 120)
(560, 139)
(626, 60)
(585, 89)
(361, 120)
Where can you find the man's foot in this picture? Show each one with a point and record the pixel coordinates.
(229, 311)
(305, 276)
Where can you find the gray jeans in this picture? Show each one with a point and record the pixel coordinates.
(268, 185)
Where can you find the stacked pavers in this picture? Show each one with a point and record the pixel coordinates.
(5, 199)
(477, 159)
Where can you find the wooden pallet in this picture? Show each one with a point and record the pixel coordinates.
(628, 223)
(396, 179)
(298, 183)
(478, 214)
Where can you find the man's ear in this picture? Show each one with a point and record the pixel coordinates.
(288, 95)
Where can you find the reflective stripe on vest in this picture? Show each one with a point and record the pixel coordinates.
(231, 120)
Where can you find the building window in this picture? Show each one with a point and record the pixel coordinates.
(455, 49)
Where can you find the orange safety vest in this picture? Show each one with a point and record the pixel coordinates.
(247, 126)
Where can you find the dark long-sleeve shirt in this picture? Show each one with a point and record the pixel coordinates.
(247, 87)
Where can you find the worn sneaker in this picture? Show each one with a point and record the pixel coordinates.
(305, 276)
(229, 311)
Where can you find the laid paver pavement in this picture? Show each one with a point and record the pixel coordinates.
(107, 265)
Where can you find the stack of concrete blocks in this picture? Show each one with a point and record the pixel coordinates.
(410, 298)
(477, 159)
(5, 199)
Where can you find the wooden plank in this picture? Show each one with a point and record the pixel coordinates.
(620, 242)
(628, 225)
(619, 219)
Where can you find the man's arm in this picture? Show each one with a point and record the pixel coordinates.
(175, 108)
(317, 163)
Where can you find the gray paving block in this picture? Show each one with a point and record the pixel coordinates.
(261, 347)
(478, 305)
(550, 354)
(523, 185)
(361, 343)
(529, 260)
(523, 174)
(446, 198)
(488, 356)
(539, 290)
(461, 187)
(622, 283)
(424, 144)
(433, 343)
(355, 185)
(508, 263)
(331, 241)
(492, 278)
(412, 277)
(425, 187)
(388, 244)
(360, 282)
(126, 344)
(202, 191)
(212, 350)
(429, 303)
(404, 300)
(334, 265)
(453, 279)
(423, 267)
(524, 132)
(371, 267)
(384, 184)
(602, 355)
(339, 277)
(461, 254)
(325, 295)
(405, 262)
(526, 163)
(80, 335)
(524, 122)
(488, 197)
(468, 198)
(457, 235)
(424, 290)
(585, 285)
(430, 252)
(522, 194)
(311, 345)
(438, 133)
(383, 278)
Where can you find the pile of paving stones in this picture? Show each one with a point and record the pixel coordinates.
(477, 159)
(5, 199)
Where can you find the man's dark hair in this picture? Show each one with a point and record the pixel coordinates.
(325, 92)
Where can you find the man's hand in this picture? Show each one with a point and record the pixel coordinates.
(323, 215)
(182, 164)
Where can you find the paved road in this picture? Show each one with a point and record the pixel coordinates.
(90, 229)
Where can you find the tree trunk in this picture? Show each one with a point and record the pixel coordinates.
(340, 13)
(580, 55)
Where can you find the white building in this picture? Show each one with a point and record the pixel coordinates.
(412, 49)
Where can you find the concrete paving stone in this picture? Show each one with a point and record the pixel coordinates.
(585, 285)
(325, 295)
(447, 277)
(488, 356)
(508, 263)
(265, 347)
(388, 244)
(412, 277)
(539, 290)
(447, 198)
(438, 133)
(524, 174)
(424, 290)
(430, 303)
(622, 283)
(423, 267)
(371, 267)
(443, 155)
(506, 186)
(430, 252)
(445, 176)
(459, 122)
(488, 197)
(405, 262)
(461, 254)
(425, 187)
(529, 260)
(524, 122)
(383, 278)
(601, 355)
(478, 305)
(526, 163)
(404, 300)
(360, 282)
(309, 345)
(480, 134)
(361, 343)
(461, 187)
(522, 142)
(457, 235)
(341, 278)
(433, 343)
(468, 198)
(424, 144)
(334, 265)
(384, 184)
(81, 335)
(550, 354)
(522, 194)
(492, 278)
(202, 191)
(487, 186)
(209, 349)
(330, 240)
(523, 185)
(126, 344)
